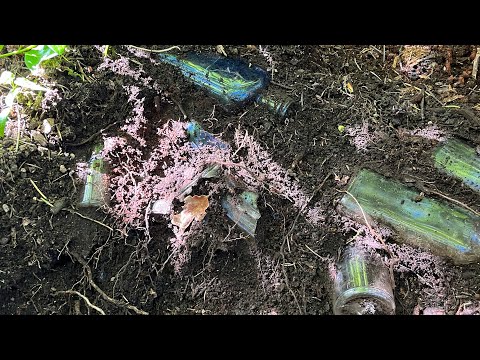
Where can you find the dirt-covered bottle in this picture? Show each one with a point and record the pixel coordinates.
(231, 80)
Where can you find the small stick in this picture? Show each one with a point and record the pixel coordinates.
(73, 292)
(373, 232)
(88, 218)
(422, 106)
(42, 195)
(475, 64)
(18, 130)
(431, 191)
(185, 116)
(281, 85)
(316, 254)
(156, 51)
(93, 136)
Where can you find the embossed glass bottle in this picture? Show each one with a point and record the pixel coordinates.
(232, 80)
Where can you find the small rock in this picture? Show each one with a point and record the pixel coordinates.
(23, 172)
(39, 138)
(58, 205)
(5, 208)
(47, 125)
(63, 169)
(4, 241)
(72, 156)
(7, 142)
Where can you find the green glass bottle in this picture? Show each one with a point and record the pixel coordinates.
(441, 227)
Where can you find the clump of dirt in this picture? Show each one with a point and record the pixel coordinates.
(356, 109)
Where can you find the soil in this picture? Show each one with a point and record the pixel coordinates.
(52, 261)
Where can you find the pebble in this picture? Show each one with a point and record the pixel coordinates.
(39, 138)
(4, 241)
(5, 208)
(63, 169)
(58, 205)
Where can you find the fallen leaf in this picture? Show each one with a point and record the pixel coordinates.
(194, 208)
(196, 205)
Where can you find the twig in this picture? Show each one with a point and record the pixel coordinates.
(373, 232)
(18, 130)
(431, 191)
(422, 106)
(475, 64)
(93, 136)
(42, 195)
(156, 51)
(88, 218)
(185, 116)
(281, 85)
(100, 291)
(73, 292)
(316, 254)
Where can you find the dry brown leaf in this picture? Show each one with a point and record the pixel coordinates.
(194, 208)
(196, 205)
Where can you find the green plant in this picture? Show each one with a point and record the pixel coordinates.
(16, 84)
(34, 55)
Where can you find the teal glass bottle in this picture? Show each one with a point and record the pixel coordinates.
(231, 80)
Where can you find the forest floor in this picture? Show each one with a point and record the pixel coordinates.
(358, 107)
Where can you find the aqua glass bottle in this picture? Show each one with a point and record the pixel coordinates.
(95, 190)
(231, 80)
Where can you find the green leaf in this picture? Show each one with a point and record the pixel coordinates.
(6, 77)
(24, 83)
(58, 49)
(10, 98)
(1, 47)
(34, 57)
(3, 120)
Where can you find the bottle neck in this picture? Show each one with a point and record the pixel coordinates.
(279, 105)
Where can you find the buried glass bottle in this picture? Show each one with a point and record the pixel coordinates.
(441, 227)
(459, 160)
(232, 80)
(95, 191)
(362, 285)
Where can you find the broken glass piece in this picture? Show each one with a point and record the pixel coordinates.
(362, 285)
(459, 160)
(198, 136)
(95, 192)
(440, 227)
(243, 210)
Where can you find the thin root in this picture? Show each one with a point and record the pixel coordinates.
(73, 292)
(100, 291)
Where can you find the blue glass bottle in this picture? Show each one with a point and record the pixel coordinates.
(232, 80)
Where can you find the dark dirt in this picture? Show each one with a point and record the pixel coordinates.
(228, 273)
